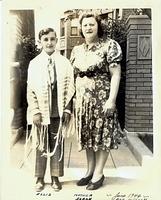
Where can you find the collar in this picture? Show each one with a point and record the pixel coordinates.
(46, 56)
(94, 45)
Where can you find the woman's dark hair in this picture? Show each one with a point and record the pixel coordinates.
(97, 18)
(45, 32)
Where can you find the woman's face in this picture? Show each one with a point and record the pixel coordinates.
(90, 28)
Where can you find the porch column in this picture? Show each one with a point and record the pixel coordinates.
(138, 90)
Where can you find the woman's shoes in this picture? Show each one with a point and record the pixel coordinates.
(84, 181)
(96, 185)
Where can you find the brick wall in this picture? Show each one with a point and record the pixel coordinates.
(138, 90)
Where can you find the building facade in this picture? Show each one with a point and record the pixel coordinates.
(69, 27)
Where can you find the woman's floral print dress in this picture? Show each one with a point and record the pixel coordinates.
(92, 78)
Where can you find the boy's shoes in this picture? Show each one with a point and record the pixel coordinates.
(55, 184)
(39, 184)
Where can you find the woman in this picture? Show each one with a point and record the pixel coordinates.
(97, 77)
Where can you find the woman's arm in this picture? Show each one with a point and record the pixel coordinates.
(115, 82)
(115, 72)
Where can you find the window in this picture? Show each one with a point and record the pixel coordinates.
(117, 14)
(62, 31)
(74, 31)
(62, 27)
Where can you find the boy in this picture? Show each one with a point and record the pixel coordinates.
(49, 94)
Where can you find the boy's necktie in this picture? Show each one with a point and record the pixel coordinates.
(52, 72)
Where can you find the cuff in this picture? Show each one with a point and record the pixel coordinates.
(67, 111)
(114, 64)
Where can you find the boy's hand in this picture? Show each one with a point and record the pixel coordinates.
(65, 118)
(37, 119)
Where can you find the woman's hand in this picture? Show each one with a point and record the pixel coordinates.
(109, 107)
(37, 119)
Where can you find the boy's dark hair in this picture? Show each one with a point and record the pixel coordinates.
(46, 31)
(88, 14)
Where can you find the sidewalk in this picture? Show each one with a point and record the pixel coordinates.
(123, 174)
(73, 158)
(123, 180)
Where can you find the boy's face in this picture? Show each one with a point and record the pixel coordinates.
(48, 42)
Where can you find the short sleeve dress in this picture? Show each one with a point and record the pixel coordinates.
(92, 79)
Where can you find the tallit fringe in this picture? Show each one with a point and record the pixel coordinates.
(83, 106)
(79, 127)
(38, 141)
(59, 139)
(27, 140)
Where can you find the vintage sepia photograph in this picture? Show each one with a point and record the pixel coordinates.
(81, 101)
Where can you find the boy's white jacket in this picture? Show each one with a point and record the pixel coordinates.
(38, 90)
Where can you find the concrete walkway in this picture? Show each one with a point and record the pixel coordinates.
(73, 158)
(125, 180)
(124, 176)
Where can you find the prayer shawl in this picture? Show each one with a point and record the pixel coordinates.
(39, 95)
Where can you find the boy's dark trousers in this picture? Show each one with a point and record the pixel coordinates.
(56, 166)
